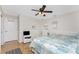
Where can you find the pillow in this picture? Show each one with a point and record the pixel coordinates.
(77, 35)
(74, 35)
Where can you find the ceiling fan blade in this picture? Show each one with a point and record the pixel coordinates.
(36, 14)
(35, 10)
(47, 11)
(43, 7)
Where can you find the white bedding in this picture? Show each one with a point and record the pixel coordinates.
(55, 45)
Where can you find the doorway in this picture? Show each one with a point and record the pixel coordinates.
(10, 28)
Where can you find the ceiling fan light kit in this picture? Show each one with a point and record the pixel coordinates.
(43, 14)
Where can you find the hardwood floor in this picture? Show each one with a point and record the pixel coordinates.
(15, 44)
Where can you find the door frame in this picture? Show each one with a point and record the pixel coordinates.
(2, 28)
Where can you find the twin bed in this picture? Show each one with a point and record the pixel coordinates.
(56, 45)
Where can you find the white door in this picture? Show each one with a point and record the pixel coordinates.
(0, 30)
(10, 29)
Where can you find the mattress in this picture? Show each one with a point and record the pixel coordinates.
(47, 45)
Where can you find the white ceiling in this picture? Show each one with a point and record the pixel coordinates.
(26, 9)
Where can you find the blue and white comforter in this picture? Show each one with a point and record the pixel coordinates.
(46, 45)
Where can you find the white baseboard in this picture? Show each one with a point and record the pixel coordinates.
(20, 41)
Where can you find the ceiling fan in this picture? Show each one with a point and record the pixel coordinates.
(42, 11)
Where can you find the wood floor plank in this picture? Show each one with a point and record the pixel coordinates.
(15, 44)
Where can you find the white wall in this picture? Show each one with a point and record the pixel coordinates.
(26, 23)
(66, 24)
(0, 27)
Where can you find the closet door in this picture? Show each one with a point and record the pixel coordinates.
(10, 29)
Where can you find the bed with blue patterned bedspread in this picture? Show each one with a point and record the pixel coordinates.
(56, 45)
